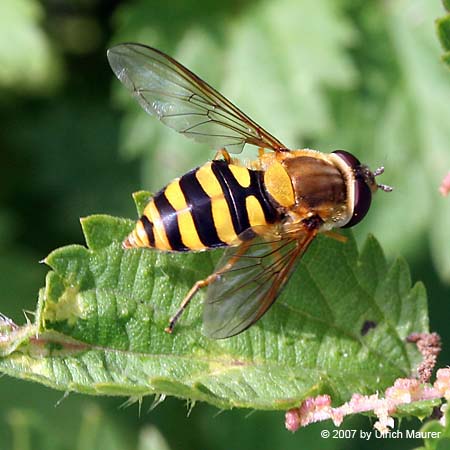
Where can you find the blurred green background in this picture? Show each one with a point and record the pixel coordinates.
(325, 74)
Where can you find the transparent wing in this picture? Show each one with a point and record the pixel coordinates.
(250, 279)
(183, 101)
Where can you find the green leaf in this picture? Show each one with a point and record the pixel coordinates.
(443, 32)
(446, 4)
(443, 29)
(100, 323)
(422, 409)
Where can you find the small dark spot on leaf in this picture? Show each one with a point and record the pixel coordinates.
(436, 414)
(367, 326)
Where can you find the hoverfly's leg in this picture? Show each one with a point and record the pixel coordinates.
(336, 236)
(222, 153)
(201, 284)
(198, 285)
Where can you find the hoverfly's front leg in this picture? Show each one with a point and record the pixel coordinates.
(204, 283)
(222, 153)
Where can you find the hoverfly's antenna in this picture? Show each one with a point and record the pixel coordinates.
(383, 187)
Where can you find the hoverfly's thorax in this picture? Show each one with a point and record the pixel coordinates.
(316, 182)
(304, 183)
(316, 187)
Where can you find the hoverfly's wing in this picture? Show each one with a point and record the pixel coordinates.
(250, 278)
(183, 101)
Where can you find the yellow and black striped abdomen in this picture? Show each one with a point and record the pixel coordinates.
(206, 208)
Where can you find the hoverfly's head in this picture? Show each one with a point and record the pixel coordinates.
(364, 185)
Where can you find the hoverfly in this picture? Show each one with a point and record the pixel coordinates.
(266, 214)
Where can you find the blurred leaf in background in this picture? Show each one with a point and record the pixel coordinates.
(30, 430)
(405, 128)
(29, 60)
(443, 31)
(275, 75)
(364, 76)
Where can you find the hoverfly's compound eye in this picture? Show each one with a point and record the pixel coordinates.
(363, 194)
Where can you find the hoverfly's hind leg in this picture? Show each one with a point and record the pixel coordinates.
(223, 154)
(204, 283)
(190, 295)
(336, 236)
